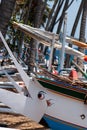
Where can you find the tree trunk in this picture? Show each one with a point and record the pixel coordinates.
(50, 15)
(77, 19)
(83, 22)
(36, 23)
(59, 6)
(24, 17)
(6, 9)
(38, 13)
(68, 63)
(82, 30)
(62, 16)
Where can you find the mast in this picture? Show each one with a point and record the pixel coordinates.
(63, 43)
(51, 53)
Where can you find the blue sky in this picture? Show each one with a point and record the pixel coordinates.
(71, 14)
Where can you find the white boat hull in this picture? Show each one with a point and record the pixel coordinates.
(70, 112)
(60, 112)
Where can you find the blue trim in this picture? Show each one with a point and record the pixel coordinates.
(56, 124)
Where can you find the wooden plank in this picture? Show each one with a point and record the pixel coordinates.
(37, 35)
(70, 51)
(43, 32)
(76, 42)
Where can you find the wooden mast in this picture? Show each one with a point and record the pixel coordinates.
(63, 43)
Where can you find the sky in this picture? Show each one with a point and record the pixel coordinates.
(71, 14)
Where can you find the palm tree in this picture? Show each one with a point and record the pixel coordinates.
(77, 19)
(48, 24)
(6, 9)
(38, 14)
(67, 63)
(83, 30)
(82, 11)
(59, 8)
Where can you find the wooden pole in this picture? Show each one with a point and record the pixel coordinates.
(51, 53)
(63, 43)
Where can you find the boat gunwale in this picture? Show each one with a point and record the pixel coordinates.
(66, 87)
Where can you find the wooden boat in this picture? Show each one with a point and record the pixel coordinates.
(69, 100)
(10, 69)
(61, 103)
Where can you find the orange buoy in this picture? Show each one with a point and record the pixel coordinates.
(73, 75)
(55, 72)
(85, 58)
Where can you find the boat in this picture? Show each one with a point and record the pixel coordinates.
(9, 67)
(10, 70)
(58, 102)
